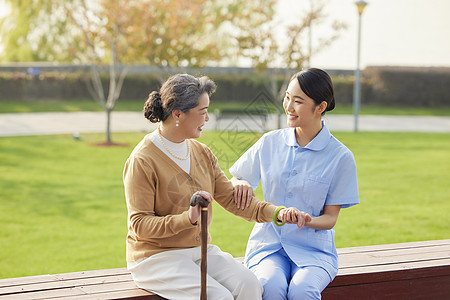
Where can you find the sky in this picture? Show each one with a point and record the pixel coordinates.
(393, 32)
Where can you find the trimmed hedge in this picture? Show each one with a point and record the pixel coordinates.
(74, 86)
(387, 86)
(415, 87)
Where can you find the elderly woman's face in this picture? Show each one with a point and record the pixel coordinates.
(193, 121)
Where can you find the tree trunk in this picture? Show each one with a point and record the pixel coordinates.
(278, 118)
(108, 125)
(275, 93)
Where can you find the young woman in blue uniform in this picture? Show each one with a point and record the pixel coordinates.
(307, 168)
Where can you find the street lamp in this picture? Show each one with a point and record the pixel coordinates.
(361, 4)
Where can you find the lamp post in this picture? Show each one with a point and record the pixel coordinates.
(361, 4)
(311, 6)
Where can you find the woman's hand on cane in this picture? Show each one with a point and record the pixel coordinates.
(194, 211)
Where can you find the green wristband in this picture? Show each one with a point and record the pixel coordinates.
(275, 215)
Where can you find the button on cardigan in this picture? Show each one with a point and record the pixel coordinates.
(158, 196)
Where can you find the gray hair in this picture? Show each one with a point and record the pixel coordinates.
(179, 92)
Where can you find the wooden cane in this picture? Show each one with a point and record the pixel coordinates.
(197, 199)
(203, 268)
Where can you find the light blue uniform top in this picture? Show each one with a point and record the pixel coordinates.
(308, 178)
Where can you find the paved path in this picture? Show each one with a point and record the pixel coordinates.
(85, 122)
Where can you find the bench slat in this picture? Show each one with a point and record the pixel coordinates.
(45, 294)
(396, 256)
(57, 283)
(25, 280)
(389, 247)
(125, 294)
(393, 267)
(66, 276)
(72, 291)
(93, 274)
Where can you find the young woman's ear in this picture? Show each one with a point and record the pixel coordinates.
(322, 107)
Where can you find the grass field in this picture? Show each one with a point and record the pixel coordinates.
(62, 206)
(136, 105)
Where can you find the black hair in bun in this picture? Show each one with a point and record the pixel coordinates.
(317, 85)
(331, 105)
(153, 108)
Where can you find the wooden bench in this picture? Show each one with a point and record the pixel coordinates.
(235, 113)
(419, 270)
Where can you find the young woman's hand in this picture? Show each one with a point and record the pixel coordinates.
(243, 193)
(293, 215)
(195, 211)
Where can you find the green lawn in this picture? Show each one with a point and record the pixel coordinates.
(62, 206)
(137, 105)
(85, 105)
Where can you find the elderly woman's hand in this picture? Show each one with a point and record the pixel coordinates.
(195, 211)
(243, 193)
(293, 215)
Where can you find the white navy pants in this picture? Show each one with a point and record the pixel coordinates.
(176, 275)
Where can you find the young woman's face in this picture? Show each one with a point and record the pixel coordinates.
(301, 110)
(192, 121)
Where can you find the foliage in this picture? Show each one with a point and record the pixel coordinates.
(123, 32)
(161, 33)
(382, 86)
(267, 46)
(35, 31)
(414, 87)
(62, 204)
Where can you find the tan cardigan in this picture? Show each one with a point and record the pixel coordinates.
(158, 193)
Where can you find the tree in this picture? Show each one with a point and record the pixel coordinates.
(173, 34)
(34, 31)
(291, 51)
(123, 32)
(118, 33)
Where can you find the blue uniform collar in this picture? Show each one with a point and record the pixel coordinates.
(318, 143)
